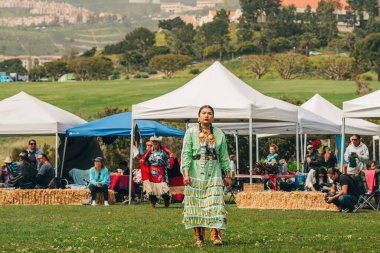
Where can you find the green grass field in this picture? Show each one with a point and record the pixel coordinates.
(87, 98)
(138, 228)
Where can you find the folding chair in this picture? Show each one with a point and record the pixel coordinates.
(235, 188)
(370, 199)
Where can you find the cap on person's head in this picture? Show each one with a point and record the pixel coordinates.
(8, 159)
(156, 138)
(98, 159)
(310, 146)
(327, 148)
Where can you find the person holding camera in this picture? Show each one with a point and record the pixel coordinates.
(356, 155)
(344, 192)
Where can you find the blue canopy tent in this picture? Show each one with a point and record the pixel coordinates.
(118, 125)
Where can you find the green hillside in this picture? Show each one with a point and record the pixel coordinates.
(87, 98)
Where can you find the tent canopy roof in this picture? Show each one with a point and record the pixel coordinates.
(230, 97)
(23, 114)
(327, 110)
(367, 106)
(120, 125)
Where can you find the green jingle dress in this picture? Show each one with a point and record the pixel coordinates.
(204, 199)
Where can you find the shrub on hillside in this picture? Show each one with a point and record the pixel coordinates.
(336, 68)
(258, 64)
(194, 71)
(290, 66)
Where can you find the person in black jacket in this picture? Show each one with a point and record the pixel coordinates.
(25, 175)
(312, 160)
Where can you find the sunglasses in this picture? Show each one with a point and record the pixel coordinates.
(148, 145)
(99, 175)
(32, 143)
(354, 139)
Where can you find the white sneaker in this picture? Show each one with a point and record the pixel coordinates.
(93, 203)
(106, 203)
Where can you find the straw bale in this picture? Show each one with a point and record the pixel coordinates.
(253, 187)
(50, 197)
(283, 200)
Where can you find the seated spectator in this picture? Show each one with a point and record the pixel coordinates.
(273, 157)
(315, 179)
(24, 177)
(328, 159)
(233, 165)
(344, 193)
(33, 153)
(312, 160)
(4, 174)
(123, 167)
(45, 174)
(99, 180)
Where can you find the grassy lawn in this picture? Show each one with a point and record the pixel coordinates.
(137, 228)
(87, 98)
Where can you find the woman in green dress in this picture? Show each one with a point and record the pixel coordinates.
(205, 168)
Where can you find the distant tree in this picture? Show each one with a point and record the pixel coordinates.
(55, 69)
(337, 68)
(140, 39)
(181, 39)
(94, 68)
(253, 9)
(12, 66)
(37, 73)
(133, 60)
(245, 30)
(170, 63)
(285, 23)
(327, 20)
(89, 53)
(70, 53)
(359, 8)
(153, 51)
(367, 53)
(308, 21)
(290, 66)
(279, 44)
(216, 32)
(170, 24)
(308, 41)
(362, 87)
(259, 64)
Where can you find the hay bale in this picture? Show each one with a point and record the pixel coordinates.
(253, 187)
(50, 197)
(283, 200)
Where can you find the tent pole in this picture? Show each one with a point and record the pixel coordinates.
(56, 153)
(301, 148)
(257, 149)
(63, 157)
(304, 150)
(250, 150)
(342, 143)
(237, 152)
(378, 143)
(297, 148)
(131, 163)
(373, 148)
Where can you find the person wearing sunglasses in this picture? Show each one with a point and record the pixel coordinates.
(33, 153)
(99, 180)
(356, 155)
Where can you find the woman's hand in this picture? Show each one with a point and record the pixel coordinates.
(186, 180)
(228, 183)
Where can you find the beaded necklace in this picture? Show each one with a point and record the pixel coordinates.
(207, 143)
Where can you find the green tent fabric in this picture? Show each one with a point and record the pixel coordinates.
(67, 78)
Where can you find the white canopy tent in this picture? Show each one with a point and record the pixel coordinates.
(367, 106)
(322, 107)
(23, 114)
(231, 98)
(309, 123)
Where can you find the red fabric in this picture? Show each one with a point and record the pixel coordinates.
(146, 171)
(121, 181)
(370, 179)
(156, 174)
(176, 181)
(273, 182)
(177, 198)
